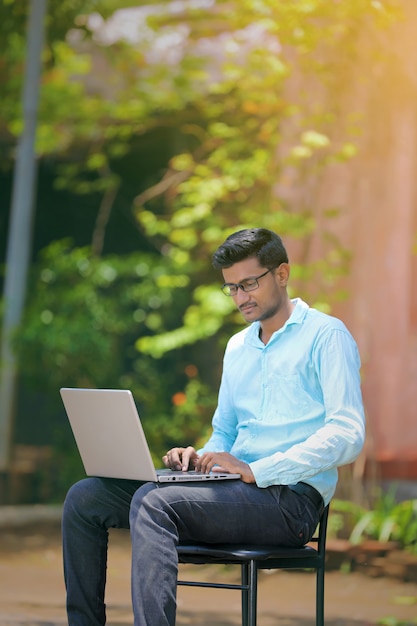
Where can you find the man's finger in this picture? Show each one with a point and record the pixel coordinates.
(188, 455)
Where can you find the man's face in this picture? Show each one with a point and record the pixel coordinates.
(266, 300)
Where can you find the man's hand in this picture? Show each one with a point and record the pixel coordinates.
(181, 458)
(224, 462)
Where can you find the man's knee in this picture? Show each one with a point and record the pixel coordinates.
(139, 498)
(80, 496)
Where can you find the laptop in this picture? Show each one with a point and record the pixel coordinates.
(111, 440)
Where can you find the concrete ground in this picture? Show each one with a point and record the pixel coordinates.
(32, 589)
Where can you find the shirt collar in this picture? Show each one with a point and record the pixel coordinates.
(299, 312)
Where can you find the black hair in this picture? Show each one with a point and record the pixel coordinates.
(261, 243)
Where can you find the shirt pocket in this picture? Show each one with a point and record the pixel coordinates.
(288, 397)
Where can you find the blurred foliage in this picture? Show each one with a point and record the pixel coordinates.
(88, 306)
(386, 520)
(250, 95)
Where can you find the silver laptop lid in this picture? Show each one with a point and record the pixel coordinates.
(108, 433)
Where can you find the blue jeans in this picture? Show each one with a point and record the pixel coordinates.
(159, 516)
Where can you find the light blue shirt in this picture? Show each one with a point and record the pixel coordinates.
(292, 409)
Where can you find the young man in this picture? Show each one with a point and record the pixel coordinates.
(289, 413)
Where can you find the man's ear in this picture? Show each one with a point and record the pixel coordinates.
(282, 274)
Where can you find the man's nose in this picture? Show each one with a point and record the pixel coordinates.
(241, 296)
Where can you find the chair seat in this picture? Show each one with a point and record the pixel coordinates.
(236, 553)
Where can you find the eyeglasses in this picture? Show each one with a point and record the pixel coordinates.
(250, 284)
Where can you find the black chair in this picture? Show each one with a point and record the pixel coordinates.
(253, 558)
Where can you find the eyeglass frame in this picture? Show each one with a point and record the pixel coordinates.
(241, 286)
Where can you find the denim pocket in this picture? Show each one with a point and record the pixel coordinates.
(301, 516)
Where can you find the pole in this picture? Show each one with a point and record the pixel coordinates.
(20, 227)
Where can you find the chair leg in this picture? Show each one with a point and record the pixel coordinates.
(320, 596)
(249, 593)
(253, 592)
(245, 594)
